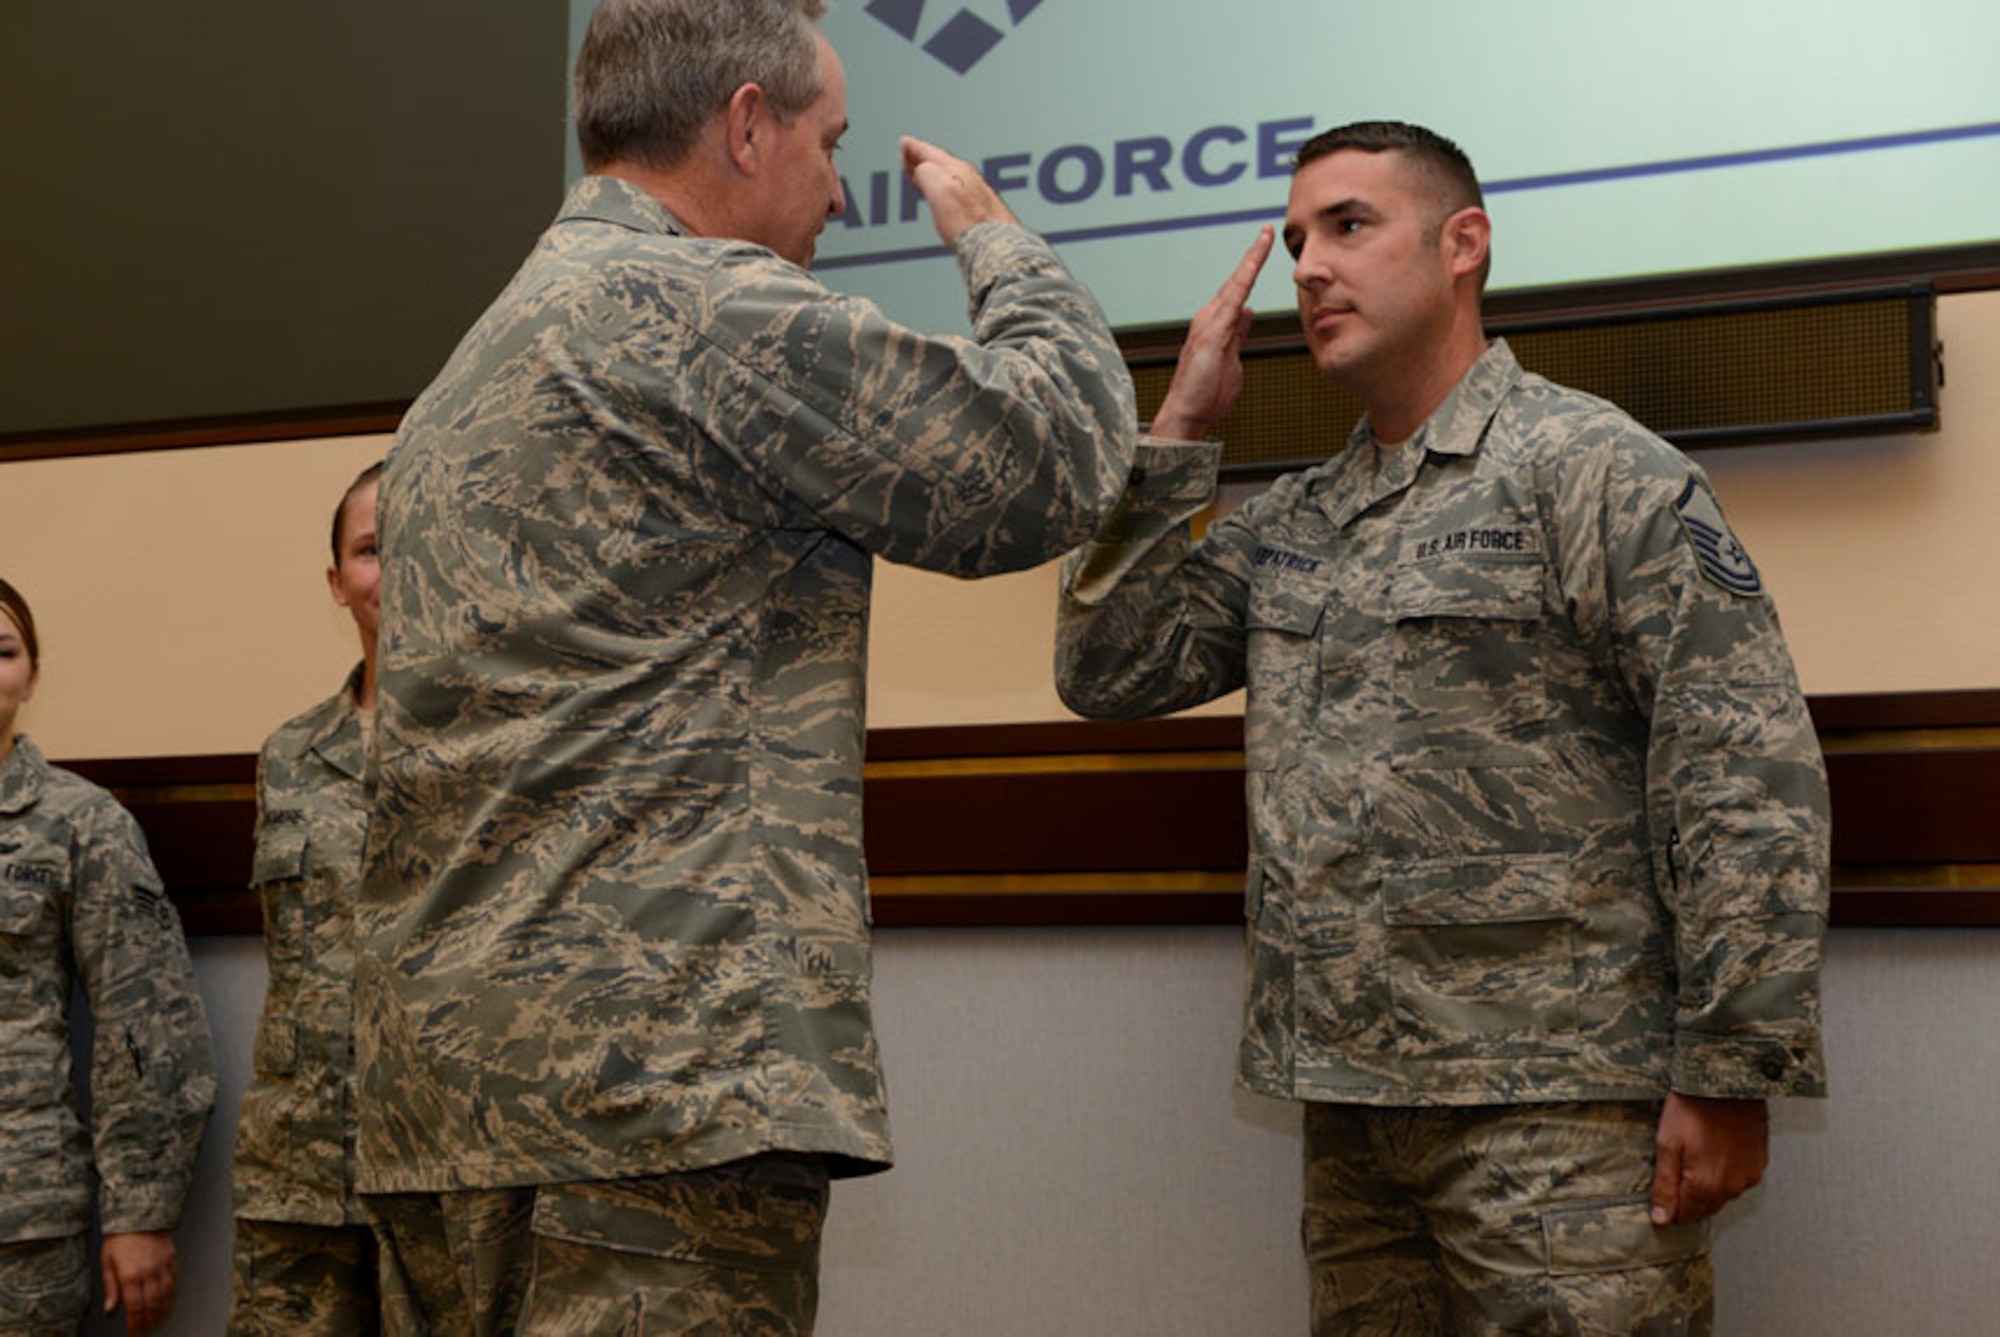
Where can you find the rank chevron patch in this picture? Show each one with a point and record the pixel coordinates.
(1722, 558)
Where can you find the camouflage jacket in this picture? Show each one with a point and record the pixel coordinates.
(1536, 811)
(295, 1140)
(80, 903)
(614, 919)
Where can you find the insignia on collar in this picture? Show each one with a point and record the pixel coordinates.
(1721, 557)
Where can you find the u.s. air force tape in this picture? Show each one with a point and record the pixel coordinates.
(1721, 557)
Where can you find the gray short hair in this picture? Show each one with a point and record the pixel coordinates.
(652, 72)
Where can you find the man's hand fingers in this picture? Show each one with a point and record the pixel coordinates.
(1666, 1183)
(1236, 288)
(958, 195)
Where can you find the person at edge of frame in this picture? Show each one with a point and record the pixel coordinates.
(82, 905)
(612, 990)
(1539, 825)
(304, 1252)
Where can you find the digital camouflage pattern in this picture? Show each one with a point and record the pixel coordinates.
(80, 903)
(295, 1140)
(1536, 810)
(731, 1251)
(614, 920)
(295, 1280)
(1496, 1219)
(44, 1286)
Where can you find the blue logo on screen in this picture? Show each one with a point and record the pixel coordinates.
(964, 39)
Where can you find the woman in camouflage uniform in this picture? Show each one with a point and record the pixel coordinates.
(305, 1256)
(80, 903)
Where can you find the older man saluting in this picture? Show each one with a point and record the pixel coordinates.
(613, 994)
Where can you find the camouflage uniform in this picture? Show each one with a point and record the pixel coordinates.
(614, 922)
(81, 903)
(304, 1254)
(1536, 810)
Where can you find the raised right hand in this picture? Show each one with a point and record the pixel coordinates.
(958, 195)
(1209, 375)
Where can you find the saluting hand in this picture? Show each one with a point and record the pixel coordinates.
(958, 195)
(1209, 375)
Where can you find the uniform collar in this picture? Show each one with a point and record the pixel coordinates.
(612, 199)
(338, 741)
(22, 776)
(1457, 427)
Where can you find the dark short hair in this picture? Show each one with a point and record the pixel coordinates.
(361, 480)
(651, 73)
(1441, 160)
(16, 607)
(1441, 163)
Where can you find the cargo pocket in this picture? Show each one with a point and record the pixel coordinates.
(47, 1283)
(764, 1213)
(1615, 1235)
(1482, 958)
(1469, 679)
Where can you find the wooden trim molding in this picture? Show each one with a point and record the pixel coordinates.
(1092, 823)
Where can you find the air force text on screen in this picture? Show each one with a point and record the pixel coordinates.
(1211, 158)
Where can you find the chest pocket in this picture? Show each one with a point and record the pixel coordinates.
(1281, 662)
(280, 855)
(1470, 681)
(29, 892)
(278, 875)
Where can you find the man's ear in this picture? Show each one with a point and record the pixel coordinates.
(1469, 234)
(745, 118)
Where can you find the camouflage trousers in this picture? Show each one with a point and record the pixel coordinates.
(295, 1280)
(730, 1251)
(44, 1286)
(1495, 1219)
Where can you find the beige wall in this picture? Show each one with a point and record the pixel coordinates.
(183, 608)
(180, 595)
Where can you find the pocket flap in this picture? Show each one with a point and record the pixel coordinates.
(20, 911)
(1615, 1235)
(1507, 590)
(750, 1215)
(1475, 889)
(280, 856)
(1278, 604)
(276, 1049)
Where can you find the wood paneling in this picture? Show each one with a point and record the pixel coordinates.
(1079, 822)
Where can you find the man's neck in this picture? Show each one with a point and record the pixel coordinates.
(1398, 407)
(682, 191)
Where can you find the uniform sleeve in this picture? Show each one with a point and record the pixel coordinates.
(1736, 788)
(152, 1076)
(969, 457)
(1151, 621)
